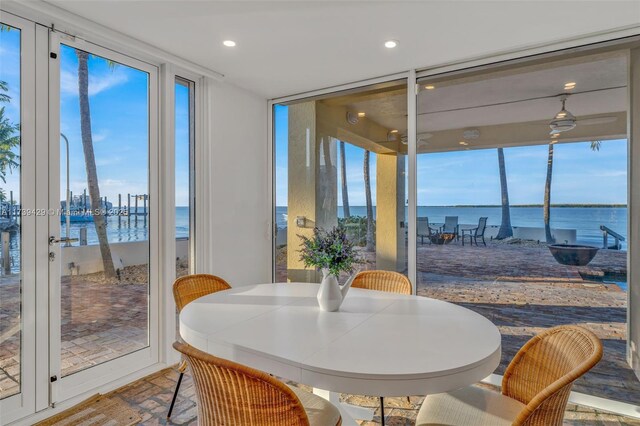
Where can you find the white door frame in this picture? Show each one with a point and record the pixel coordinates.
(24, 402)
(67, 387)
(168, 76)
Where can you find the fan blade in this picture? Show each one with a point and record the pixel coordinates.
(598, 120)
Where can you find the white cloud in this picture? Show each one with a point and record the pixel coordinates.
(99, 136)
(97, 83)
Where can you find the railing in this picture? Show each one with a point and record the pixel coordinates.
(606, 231)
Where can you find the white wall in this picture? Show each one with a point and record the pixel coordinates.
(238, 222)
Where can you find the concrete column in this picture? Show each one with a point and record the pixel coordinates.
(312, 182)
(391, 248)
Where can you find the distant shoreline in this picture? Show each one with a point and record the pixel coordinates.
(595, 206)
(538, 205)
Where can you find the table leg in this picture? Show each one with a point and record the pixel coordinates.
(349, 412)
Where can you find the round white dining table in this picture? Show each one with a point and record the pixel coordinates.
(378, 343)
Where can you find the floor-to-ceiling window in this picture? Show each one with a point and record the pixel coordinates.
(184, 140)
(341, 160)
(10, 219)
(510, 163)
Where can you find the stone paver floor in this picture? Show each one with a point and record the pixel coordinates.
(151, 397)
(100, 322)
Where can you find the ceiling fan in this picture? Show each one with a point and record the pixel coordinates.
(564, 121)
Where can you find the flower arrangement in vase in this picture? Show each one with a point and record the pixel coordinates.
(332, 253)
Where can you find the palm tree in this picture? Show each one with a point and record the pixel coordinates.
(99, 220)
(367, 188)
(9, 137)
(4, 87)
(343, 174)
(595, 146)
(506, 230)
(546, 211)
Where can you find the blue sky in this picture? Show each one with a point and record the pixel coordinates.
(120, 123)
(580, 175)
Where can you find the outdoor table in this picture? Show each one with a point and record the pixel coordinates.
(380, 344)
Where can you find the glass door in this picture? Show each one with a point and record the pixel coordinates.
(17, 218)
(341, 161)
(103, 260)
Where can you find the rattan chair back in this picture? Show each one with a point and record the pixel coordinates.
(543, 371)
(389, 281)
(233, 394)
(190, 287)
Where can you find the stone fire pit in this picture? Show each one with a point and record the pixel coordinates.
(442, 238)
(572, 254)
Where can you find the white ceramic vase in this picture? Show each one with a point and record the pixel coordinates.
(331, 294)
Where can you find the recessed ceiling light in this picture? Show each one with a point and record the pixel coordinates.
(570, 85)
(229, 43)
(394, 131)
(429, 87)
(361, 114)
(463, 143)
(390, 44)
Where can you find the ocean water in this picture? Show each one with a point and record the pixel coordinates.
(119, 229)
(127, 228)
(585, 220)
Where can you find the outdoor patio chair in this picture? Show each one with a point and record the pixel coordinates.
(389, 281)
(229, 393)
(423, 229)
(185, 290)
(451, 226)
(535, 387)
(475, 233)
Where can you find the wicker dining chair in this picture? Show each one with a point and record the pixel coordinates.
(389, 281)
(535, 387)
(229, 393)
(185, 290)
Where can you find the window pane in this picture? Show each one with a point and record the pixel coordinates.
(501, 148)
(184, 136)
(104, 119)
(10, 224)
(341, 160)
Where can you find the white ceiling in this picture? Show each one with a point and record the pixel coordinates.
(291, 47)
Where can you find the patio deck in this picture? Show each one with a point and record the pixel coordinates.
(523, 290)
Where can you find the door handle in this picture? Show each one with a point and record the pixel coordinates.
(54, 240)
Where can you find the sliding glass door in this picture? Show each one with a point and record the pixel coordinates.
(523, 195)
(341, 160)
(103, 242)
(522, 203)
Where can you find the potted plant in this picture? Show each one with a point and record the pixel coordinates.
(332, 253)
